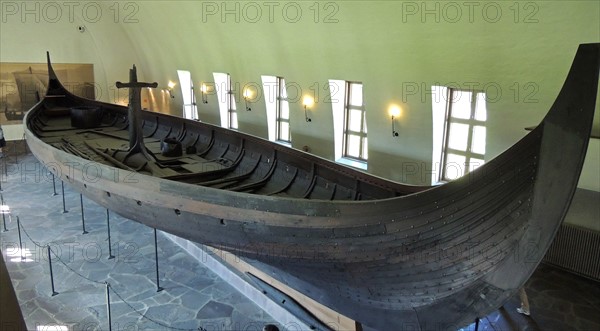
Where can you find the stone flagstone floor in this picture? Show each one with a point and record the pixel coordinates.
(194, 298)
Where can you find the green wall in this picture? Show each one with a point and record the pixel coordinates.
(519, 51)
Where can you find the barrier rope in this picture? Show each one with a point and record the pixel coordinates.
(143, 315)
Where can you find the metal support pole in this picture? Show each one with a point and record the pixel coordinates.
(4, 163)
(54, 186)
(62, 187)
(3, 213)
(82, 217)
(110, 256)
(3, 170)
(108, 306)
(20, 242)
(51, 274)
(158, 288)
(477, 324)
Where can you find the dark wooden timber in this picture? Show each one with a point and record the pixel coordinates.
(388, 255)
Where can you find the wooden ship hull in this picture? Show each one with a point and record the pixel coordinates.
(390, 256)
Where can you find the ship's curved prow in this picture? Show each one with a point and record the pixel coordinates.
(55, 87)
(575, 104)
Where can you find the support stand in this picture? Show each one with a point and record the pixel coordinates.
(54, 186)
(82, 217)
(4, 211)
(110, 256)
(3, 170)
(51, 274)
(4, 223)
(4, 165)
(62, 187)
(20, 242)
(108, 306)
(158, 288)
(477, 324)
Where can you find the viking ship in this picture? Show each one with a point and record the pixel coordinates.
(388, 255)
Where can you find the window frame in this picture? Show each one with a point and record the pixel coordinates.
(471, 122)
(231, 106)
(193, 106)
(347, 132)
(279, 101)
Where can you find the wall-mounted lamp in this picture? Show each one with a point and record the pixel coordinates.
(203, 90)
(394, 112)
(171, 85)
(308, 102)
(247, 95)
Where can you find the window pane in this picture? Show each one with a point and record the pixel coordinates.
(455, 166)
(355, 119)
(232, 104)
(475, 163)
(283, 90)
(458, 136)
(461, 104)
(365, 149)
(478, 143)
(353, 148)
(234, 121)
(356, 94)
(284, 131)
(285, 110)
(480, 107)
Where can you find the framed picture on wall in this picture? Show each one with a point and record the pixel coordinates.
(22, 85)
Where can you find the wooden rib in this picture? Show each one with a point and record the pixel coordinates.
(230, 179)
(286, 186)
(313, 181)
(182, 133)
(258, 183)
(333, 191)
(191, 178)
(155, 127)
(210, 145)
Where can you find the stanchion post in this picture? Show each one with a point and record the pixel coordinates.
(20, 242)
(54, 186)
(51, 274)
(62, 187)
(82, 216)
(158, 288)
(3, 171)
(4, 229)
(4, 222)
(108, 306)
(4, 164)
(110, 256)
